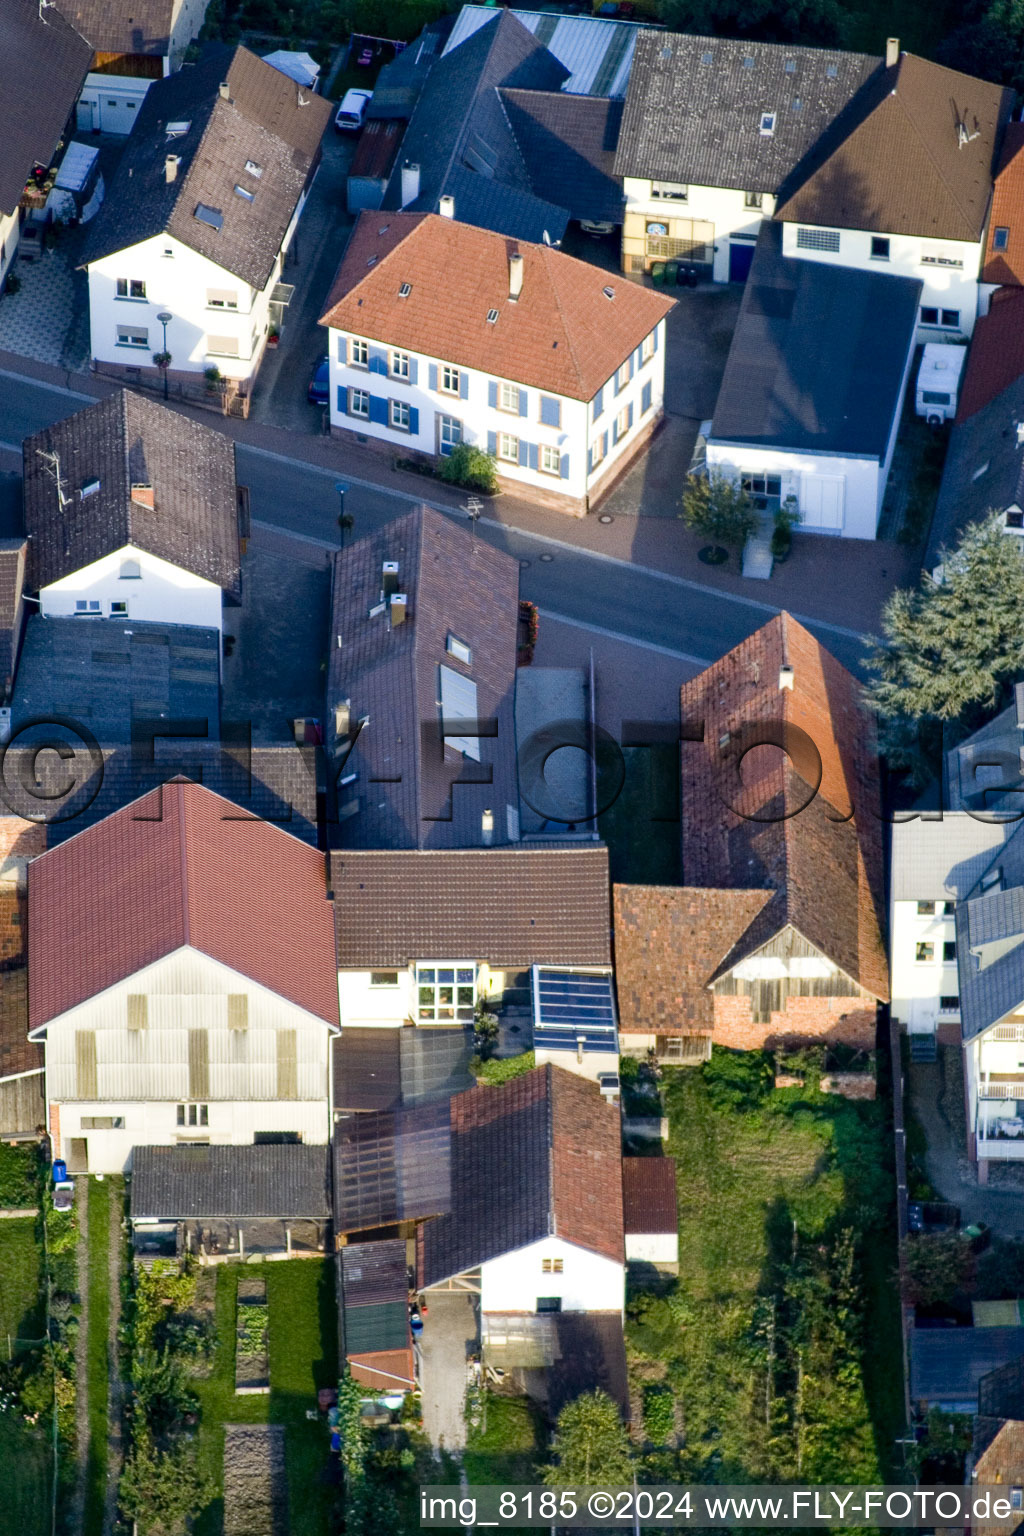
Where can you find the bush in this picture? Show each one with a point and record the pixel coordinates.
(939, 1266)
(738, 1079)
(503, 1071)
(471, 468)
(659, 1413)
(20, 1170)
(719, 510)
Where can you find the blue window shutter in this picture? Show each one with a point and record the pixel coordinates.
(655, 338)
(524, 403)
(645, 398)
(563, 468)
(342, 349)
(550, 411)
(463, 384)
(524, 454)
(604, 443)
(379, 410)
(533, 455)
(492, 442)
(590, 461)
(598, 403)
(378, 360)
(632, 364)
(414, 421)
(629, 421)
(432, 375)
(413, 369)
(342, 400)
(492, 394)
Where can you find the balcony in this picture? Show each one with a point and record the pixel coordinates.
(1001, 1148)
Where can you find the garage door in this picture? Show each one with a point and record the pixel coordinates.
(821, 503)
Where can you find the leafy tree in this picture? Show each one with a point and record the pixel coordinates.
(590, 1444)
(737, 1079)
(938, 1266)
(162, 1490)
(772, 21)
(717, 509)
(951, 645)
(161, 1389)
(470, 467)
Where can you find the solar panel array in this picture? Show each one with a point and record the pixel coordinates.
(572, 1008)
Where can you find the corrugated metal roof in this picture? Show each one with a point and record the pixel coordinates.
(942, 860)
(598, 53)
(392, 1166)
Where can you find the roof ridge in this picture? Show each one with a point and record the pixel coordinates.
(546, 258)
(912, 123)
(183, 860)
(552, 1221)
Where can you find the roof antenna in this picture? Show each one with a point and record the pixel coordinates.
(43, 4)
(962, 135)
(52, 461)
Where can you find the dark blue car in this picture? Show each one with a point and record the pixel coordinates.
(318, 392)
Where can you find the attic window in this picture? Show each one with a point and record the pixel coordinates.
(798, 105)
(384, 229)
(253, 169)
(791, 66)
(90, 487)
(207, 215)
(492, 317)
(767, 124)
(371, 261)
(1001, 238)
(405, 290)
(460, 649)
(666, 53)
(748, 63)
(177, 129)
(608, 292)
(981, 470)
(244, 192)
(992, 878)
(707, 58)
(832, 71)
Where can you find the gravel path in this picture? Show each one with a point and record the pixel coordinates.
(115, 1400)
(76, 1513)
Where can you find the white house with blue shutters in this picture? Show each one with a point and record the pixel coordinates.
(551, 368)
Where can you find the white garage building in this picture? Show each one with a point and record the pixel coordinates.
(813, 388)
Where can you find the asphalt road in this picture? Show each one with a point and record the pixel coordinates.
(667, 613)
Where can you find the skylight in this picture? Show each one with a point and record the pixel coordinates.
(609, 292)
(207, 215)
(244, 192)
(798, 105)
(767, 124)
(492, 316)
(748, 62)
(791, 66)
(176, 129)
(707, 58)
(405, 290)
(90, 486)
(832, 71)
(253, 169)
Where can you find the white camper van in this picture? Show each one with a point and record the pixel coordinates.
(938, 381)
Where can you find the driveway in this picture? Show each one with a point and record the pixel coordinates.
(936, 1097)
(451, 1333)
(279, 395)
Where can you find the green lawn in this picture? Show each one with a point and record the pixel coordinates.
(781, 1340)
(25, 1450)
(508, 1445)
(303, 1357)
(642, 827)
(99, 1193)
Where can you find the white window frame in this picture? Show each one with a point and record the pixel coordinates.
(450, 379)
(508, 398)
(508, 448)
(545, 453)
(453, 426)
(396, 410)
(359, 353)
(399, 365)
(363, 395)
(133, 336)
(670, 191)
(439, 1010)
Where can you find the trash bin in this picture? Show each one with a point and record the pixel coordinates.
(60, 1171)
(658, 274)
(671, 273)
(691, 277)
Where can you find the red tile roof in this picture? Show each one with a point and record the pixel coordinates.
(387, 1370)
(1007, 266)
(649, 1196)
(752, 819)
(193, 871)
(563, 334)
(996, 357)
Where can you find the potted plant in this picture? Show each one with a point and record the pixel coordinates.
(162, 359)
(786, 519)
(273, 337)
(213, 379)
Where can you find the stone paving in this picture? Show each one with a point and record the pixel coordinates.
(39, 320)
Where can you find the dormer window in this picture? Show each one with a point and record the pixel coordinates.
(767, 128)
(253, 169)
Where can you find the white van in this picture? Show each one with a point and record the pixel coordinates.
(349, 116)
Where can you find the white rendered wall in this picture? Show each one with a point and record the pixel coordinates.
(161, 594)
(155, 1125)
(917, 985)
(861, 478)
(588, 1283)
(723, 207)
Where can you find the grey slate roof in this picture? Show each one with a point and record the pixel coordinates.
(267, 119)
(694, 106)
(990, 942)
(122, 441)
(947, 1364)
(43, 61)
(568, 143)
(407, 790)
(942, 860)
(817, 357)
(375, 1069)
(124, 26)
(13, 553)
(984, 469)
(397, 88)
(514, 907)
(983, 773)
(273, 1181)
(460, 138)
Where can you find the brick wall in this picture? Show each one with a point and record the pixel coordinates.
(20, 841)
(55, 1130)
(841, 1020)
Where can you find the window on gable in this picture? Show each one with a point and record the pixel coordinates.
(459, 649)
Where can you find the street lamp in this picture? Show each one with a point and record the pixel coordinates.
(165, 318)
(343, 521)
